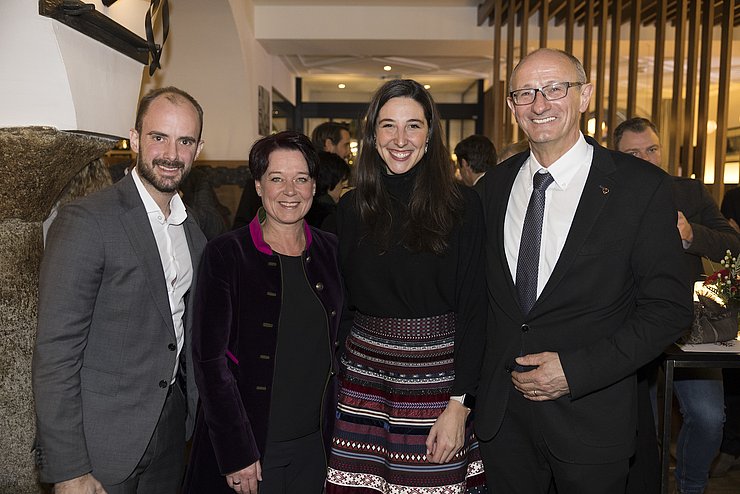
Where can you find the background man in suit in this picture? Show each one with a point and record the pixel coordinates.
(476, 154)
(578, 306)
(332, 137)
(112, 374)
(704, 233)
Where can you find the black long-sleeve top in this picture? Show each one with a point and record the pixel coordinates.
(399, 283)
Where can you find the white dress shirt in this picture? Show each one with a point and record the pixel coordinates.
(173, 253)
(569, 172)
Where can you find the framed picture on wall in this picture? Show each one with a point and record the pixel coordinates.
(263, 111)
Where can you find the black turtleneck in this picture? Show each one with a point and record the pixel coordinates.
(399, 283)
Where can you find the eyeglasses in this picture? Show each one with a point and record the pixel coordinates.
(551, 92)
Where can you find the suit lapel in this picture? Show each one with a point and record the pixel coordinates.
(136, 225)
(593, 199)
(512, 306)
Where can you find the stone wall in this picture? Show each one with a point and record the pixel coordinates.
(35, 165)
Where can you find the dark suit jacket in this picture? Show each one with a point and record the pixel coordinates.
(480, 188)
(617, 296)
(731, 204)
(713, 235)
(105, 347)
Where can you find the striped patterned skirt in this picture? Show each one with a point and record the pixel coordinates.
(395, 381)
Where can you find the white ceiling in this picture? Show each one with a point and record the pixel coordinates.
(449, 67)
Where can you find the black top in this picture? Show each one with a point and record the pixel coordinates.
(400, 283)
(302, 358)
(322, 207)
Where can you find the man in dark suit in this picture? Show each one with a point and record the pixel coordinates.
(704, 233)
(585, 286)
(112, 374)
(476, 154)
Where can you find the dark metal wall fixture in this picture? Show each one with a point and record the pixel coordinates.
(682, 115)
(84, 18)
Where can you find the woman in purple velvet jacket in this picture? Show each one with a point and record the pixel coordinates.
(265, 335)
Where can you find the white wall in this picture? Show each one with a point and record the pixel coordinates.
(52, 75)
(212, 54)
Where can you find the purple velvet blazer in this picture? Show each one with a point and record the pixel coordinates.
(237, 312)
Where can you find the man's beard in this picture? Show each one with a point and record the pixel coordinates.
(166, 185)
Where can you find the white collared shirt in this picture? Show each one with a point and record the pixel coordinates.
(173, 253)
(569, 172)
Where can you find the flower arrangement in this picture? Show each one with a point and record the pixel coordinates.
(724, 283)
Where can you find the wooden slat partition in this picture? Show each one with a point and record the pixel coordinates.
(680, 107)
(705, 68)
(723, 97)
(659, 59)
(634, 57)
(686, 161)
(498, 97)
(510, 27)
(523, 29)
(611, 121)
(601, 66)
(523, 12)
(485, 9)
(570, 22)
(544, 20)
(588, 40)
(676, 130)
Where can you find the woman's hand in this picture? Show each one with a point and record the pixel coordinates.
(447, 435)
(245, 480)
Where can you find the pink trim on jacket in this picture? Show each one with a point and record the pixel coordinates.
(255, 230)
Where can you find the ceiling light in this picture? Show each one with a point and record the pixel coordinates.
(427, 86)
(341, 86)
(387, 68)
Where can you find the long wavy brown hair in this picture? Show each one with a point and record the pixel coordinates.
(436, 203)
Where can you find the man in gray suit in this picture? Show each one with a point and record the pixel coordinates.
(112, 374)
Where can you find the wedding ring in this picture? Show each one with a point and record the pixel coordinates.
(534, 393)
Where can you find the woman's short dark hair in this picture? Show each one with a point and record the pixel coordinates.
(259, 155)
(332, 170)
(435, 204)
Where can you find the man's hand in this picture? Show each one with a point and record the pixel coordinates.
(85, 484)
(546, 382)
(245, 480)
(447, 435)
(684, 228)
(734, 224)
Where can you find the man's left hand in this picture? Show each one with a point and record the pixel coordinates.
(546, 382)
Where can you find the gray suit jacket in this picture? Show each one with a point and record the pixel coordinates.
(104, 350)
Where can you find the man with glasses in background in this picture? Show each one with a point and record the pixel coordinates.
(585, 285)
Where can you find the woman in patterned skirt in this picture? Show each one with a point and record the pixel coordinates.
(411, 252)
